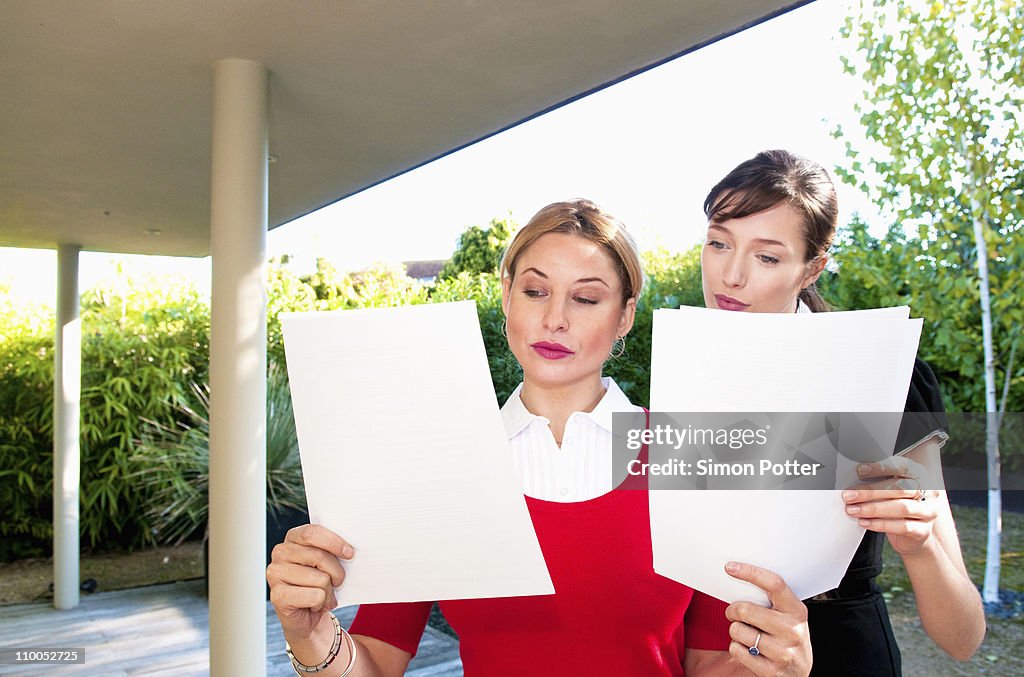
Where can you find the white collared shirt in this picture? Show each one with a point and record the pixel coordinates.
(582, 468)
(802, 307)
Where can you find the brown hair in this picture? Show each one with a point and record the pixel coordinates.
(587, 220)
(773, 177)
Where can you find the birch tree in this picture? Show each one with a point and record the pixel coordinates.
(940, 148)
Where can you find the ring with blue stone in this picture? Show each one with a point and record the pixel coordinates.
(754, 651)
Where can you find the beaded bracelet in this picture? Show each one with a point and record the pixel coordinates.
(301, 668)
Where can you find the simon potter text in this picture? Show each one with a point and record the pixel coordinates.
(709, 468)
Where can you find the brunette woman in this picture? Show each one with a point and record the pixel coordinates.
(771, 221)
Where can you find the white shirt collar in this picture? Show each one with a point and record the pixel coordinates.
(516, 417)
(514, 414)
(802, 307)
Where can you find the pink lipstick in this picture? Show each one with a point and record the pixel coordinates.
(728, 303)
(551, 351)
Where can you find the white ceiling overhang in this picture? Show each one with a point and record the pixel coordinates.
(105, 105)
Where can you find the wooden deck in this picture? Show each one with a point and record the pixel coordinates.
(162, 630)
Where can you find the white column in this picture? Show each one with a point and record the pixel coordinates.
(67, 402)
(238, 365)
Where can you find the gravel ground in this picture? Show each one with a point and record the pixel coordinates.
(1000, 653)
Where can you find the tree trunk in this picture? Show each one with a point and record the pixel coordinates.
(990, 589)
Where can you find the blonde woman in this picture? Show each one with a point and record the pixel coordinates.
(571, 281)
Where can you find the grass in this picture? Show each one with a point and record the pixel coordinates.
(972, 527)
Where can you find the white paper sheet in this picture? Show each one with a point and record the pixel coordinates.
(712, 361)
(404, 454)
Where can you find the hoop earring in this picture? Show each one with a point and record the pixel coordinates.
(618, 347)
(504, 327)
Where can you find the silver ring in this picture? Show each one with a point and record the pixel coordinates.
(754, 651)
(921, 495)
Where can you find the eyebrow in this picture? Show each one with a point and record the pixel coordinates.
(759, 240)
(579, 281)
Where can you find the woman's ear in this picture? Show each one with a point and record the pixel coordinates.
(506, 292)
(627, 317)
(814, 271)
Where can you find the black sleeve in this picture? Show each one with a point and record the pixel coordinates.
(924, 401)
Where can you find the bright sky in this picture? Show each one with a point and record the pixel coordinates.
(647, 150)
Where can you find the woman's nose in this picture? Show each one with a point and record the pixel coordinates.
(734, 273)
(554, 316)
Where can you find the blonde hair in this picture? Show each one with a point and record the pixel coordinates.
(587, 220)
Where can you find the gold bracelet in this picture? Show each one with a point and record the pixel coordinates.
(301, 668)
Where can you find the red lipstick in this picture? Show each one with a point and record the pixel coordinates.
(551, 351)
(728, 303)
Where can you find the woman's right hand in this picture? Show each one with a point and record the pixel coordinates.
(303, 572)
(779, 632)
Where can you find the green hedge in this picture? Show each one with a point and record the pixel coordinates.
(145, 346)
(142, 345)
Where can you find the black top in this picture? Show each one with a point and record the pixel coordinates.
(850, 631)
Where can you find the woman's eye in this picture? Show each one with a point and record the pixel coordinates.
(533, 293)
(770, 260)
(585, 301)
(716, 244)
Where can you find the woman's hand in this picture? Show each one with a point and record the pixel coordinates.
(779, 633)
(303, 572)
(897, 505)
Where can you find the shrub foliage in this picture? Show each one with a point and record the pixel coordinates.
(145, 347)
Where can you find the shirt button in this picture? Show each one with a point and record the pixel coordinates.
(567, 440)
(563, 491)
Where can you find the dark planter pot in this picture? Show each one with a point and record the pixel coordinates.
(277, 527)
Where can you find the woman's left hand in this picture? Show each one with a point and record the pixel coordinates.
(897, 506)
(769, 641)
